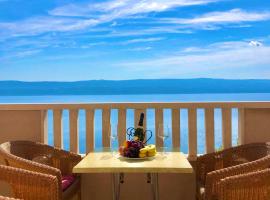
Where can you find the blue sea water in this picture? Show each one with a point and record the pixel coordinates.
(150, 115)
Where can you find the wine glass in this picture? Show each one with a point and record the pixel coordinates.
(164, 134)
(167, 133)
(113, 135)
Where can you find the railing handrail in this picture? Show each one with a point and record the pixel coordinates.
(135, 105)
(73, 108)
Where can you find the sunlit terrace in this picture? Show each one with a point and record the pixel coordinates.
(47, 124)
(134, 100)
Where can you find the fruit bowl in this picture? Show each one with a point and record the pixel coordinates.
(135, 149)
(134, 159)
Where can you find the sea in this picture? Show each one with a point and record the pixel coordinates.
(150, 116)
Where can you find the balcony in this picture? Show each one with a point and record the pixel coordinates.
(44, 123)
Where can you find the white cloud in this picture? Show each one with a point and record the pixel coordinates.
(120, 8)
(27, 53)
(86, 46)
(86, 17)
(20, 54)
(148, 31)
(140, 49)
(56, 23)
(114, 24)
(228, 45)
(192, 50)
(112, 10)
(213, 19)
(142, 40)
(218, 46)
(255, 43)
(196, 61)
(78, 17)
(231, 16)
(38, 25)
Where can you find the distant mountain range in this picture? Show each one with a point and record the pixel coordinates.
(145, 86)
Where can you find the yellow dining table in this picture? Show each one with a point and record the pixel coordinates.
(106, 162)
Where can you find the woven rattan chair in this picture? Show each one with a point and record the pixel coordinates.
(7, 198)
(26, 184)
(213, 167)
(250, 186)
(20, 154)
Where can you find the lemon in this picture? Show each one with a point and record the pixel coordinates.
(144, 150)
(151, 148)
(150, 154)
(142, 155)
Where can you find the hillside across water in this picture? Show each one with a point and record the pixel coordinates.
(145, 86)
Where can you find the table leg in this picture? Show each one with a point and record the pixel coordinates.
(154, 182)
(114, 184)
(116, 179)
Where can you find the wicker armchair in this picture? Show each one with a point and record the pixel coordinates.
(7, 198)
(29, 185)
(20, 154)
(213, 167)
(250, 186)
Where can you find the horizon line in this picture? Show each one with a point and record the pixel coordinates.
(144, 79)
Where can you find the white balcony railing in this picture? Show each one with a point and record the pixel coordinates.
(209, 107)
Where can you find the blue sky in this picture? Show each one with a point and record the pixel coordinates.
(68, 40)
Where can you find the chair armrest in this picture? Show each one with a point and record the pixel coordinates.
(213, 178)
(211, 162)
(229, 157)
(22, 163)
(65, 160)
(61, 159)
(7, 198)
(19, 162)
(242, 186)
(204, 165)
(30, 185)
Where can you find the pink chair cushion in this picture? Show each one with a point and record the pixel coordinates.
(67, 180)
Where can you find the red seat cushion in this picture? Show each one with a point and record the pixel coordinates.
(67, 180)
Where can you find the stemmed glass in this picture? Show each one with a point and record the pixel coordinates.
(113, 135)
(164, 134)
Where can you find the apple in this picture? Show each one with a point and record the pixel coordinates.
(121, 150)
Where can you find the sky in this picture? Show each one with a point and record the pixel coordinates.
(69, 40)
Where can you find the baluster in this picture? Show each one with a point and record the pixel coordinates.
(176, 128)
(227, 127)
(158, 125)
(209, 130)
(241, 126)
(73, 131)
(58, 128)
(122, 117)
(90, 136)
(192, 131)
(106, 127)
(44, 127)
